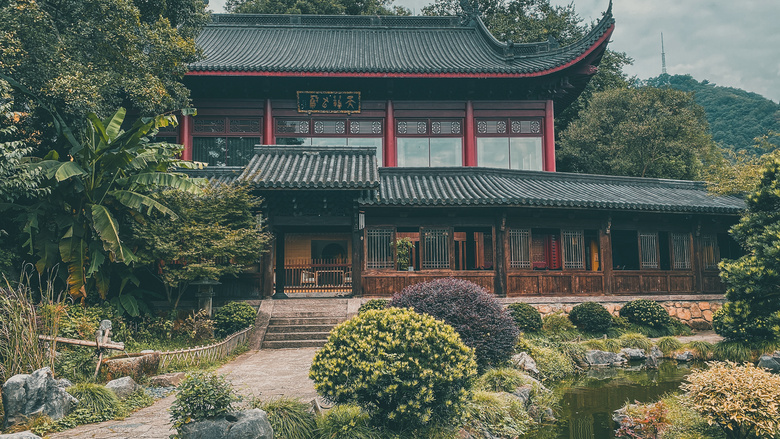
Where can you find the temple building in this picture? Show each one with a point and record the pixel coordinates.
(392, 150)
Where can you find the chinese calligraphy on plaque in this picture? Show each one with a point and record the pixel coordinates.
(329, 102)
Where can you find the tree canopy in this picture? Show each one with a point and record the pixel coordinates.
(321, 7)
(639, 132)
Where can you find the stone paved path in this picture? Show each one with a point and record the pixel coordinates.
(265, 374)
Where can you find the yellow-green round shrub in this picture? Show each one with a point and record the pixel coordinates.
(405, 369)
(743, 400)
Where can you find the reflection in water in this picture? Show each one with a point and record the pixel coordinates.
(587, 402)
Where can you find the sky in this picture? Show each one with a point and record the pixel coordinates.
(729, 43)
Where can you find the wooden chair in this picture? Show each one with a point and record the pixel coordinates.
(308, 278)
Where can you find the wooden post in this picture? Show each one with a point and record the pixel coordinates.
(279, 294)
(268, 272)
(500, 260)
(390, 154)
(185, 137)
(469, 139)
(549, 138)
(268, 124)
(357, 255)
(696, 264)
(605, 248)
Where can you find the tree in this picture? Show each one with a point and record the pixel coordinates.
(92, 56)
(639, 132)
(738, 173)
(322, 7)
(752, 312)
(215, 235)
(102, 184)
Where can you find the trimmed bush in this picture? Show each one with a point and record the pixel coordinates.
(405, 369)
(201, 396)
(527, 318)
(645, 312)
(743, 400)
(591, 317)
(234, 317)
(289, 418)
(497, 414)
(481, 321)
(373, 304)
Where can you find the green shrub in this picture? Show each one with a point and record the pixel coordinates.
(596, 344)
(289, 418)
(645, 312)
(201, 396)
(743, 400)
(686, 423)
(482, 322)
(137, 400)
(527, 318)
(96, 404)
(636, 341)
(736, 351)
(234, 317)
(346, 421)
(405, 369)
(575, 351)
(735, 321)
(76, 364)
(591, 317)
(667, 345)
(701, 349)
(374, 304)
(504, 379)
(612, 345)
(552, 364)
(557, 326)
(497, 414)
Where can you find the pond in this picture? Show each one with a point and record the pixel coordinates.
(587, 402)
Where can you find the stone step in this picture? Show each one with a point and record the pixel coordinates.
(298, 328)
(292, 344)
(296, 336)
(298, 321)
(314, 313)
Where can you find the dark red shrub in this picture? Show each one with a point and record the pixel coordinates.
(483, 324)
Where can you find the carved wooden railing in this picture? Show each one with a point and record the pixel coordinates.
(212, 352)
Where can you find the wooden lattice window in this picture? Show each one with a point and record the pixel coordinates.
(648, 243)
(436, 248)
(519, 248)
(709, 252)
(573, 249)
(681, 251)
(379, 248)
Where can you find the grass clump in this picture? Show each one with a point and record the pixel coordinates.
(345, 421)
(668, 344)
(557, 326)
(289, 418)
(95, 398)
(636, 341)
(735, 351)
(701, 350)
(504, 379)
(497, 414)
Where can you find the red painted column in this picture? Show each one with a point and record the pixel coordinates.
(268, 124)
(390, 156)
(469, 140)
(549, 137)
(185, 136)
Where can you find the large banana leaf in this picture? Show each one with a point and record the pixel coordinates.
(114, 125)
(108, 229)
(137, 201)
(173, 181)
(67, 170)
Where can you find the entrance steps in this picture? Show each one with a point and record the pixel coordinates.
(298, 323)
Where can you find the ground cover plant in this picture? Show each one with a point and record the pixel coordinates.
(482, 322)
(201, 396)
(405, 369)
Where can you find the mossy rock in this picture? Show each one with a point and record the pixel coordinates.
(135, 366)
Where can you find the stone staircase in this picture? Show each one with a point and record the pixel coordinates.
(298, 323)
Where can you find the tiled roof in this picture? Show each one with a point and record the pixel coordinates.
(355, 45)
(216, 174)
(312, 167)
(496, 187)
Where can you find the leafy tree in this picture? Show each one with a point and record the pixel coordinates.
(102, 183)
(752, 312)
(92, 56)
(527, 21)
(215, 235)
(737, 173)
(323, 7)
(640, 132)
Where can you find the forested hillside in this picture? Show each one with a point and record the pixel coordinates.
(735, 116)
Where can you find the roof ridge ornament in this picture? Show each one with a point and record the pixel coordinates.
(469, 11)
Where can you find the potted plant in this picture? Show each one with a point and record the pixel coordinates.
(403, 248)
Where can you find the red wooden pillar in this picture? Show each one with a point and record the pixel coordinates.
(390, 156)
(185, 134)
(470, 144)
(268, 124)
(549, 137)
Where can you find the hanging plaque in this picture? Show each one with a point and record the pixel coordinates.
(329, 102)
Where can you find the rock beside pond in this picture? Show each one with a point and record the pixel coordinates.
(602, 358)
(27, 395)
(651, 362)
(770, 363)
(634, 354)
(523, 361)
(123, 387)
(685, 356)
(21, 435)
(656, 353)
(246, 424)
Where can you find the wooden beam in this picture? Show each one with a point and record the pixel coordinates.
(117, 346)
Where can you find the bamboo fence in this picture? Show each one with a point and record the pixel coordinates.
(212, 352)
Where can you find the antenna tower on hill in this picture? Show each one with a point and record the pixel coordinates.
(663, 56)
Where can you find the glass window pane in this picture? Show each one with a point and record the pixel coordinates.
(412, 152)
(292, 126)
(526, 153)
(216, 125)
(368, 141)
(328, 141)
(210, 150)
(446, 151)
(305, 141)
(493, 152)
(240, 150)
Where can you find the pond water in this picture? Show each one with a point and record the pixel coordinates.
(587, 402)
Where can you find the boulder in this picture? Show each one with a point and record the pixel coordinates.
(246, 424)
(523, 361)
(685, 356)
(167, 380)
(27, 395)
(770, 363)
(523, 393)
(135, 366)
(22, 435)
(601, 358)
(123, 387)
(651, 362)
(633, 354)
(656, 353)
